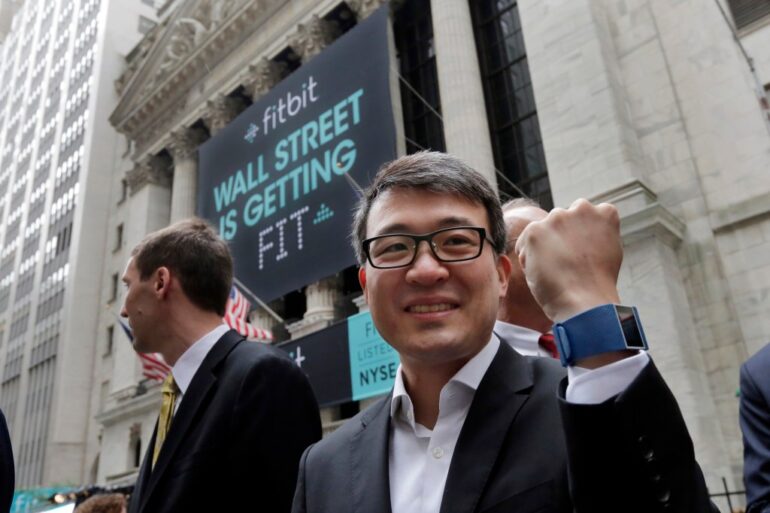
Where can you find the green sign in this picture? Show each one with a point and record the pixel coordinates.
(373, 362)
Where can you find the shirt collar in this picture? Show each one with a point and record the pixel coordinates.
(521, 338)
(469, 375)
(188, 364)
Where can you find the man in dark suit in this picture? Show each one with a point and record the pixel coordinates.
(755, 425)
(7, 474)
(470, 425)
(235, 415)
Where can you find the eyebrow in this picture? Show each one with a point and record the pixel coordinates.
(446, 222)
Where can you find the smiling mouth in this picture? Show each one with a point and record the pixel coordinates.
(440, 307)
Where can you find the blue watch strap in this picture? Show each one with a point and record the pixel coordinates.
(604, 329)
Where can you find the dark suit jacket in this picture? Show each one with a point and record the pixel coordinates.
(755, 425)
(630, 454)
(236, 438)
(7, 481)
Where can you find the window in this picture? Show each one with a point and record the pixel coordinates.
(115, 281)
(746, 12)
(110, 339)
(123, 191)
(135, 445)
(118, 237)
(413, 30)
(513, 123)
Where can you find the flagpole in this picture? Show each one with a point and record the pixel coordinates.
(259, 301)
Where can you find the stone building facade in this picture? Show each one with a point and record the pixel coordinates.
(653, 105)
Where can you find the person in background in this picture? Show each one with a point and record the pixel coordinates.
(520, 320)
(755, 426)
(7, 474)
(103, 503)
(235, 415)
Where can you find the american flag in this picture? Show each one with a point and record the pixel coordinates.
(236, 312)
(153, 365)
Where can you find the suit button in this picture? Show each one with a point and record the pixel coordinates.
(664, 496)
(645, 448)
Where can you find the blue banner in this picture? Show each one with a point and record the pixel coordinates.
(280, 181)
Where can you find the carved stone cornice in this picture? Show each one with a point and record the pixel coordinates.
(190, 32)
(262, 77)
(193, 40)
(136, 58)
(184, 142)
(220, 111)
(363, 8)
(152, 170)
(312, 37)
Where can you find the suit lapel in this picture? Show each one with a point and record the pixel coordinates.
(501, 394)
(194, 398)
(369, 461)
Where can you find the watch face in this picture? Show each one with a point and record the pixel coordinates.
(631, 330)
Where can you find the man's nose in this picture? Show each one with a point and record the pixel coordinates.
(426, 268)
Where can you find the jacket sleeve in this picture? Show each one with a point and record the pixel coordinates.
(6, 467)
(755, 426)
(299, 506)
(633, 452)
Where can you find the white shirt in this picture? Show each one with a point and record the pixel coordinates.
(187, 365)
(419, 458)
(523, 340)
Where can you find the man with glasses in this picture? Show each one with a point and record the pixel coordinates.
(471, 425)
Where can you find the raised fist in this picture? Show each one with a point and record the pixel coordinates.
(571, 259)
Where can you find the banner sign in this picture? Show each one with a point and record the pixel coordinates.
(278, 181)
(347, 361)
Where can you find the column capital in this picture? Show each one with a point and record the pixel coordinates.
(151, 170)
(184, 142)
(262, 77)
(363, 8)
(312, 37)
(220, 110)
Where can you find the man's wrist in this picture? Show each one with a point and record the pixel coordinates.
(571, 304)
(599, 336)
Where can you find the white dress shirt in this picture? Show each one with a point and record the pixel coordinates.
(523, 340)
(419, 458)
(187, 365)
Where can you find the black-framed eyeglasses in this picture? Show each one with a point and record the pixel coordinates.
(454, 244)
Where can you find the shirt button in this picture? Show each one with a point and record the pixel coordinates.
(438, 452)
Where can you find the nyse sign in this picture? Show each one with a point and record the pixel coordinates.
(279, 181)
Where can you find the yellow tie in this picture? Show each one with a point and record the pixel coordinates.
(168, 392)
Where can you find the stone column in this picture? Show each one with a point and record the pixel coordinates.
(183, 148)
(312, 37)
(149, 185)
(321, 297)
(220, 111)
(262, 77)
(459, 79)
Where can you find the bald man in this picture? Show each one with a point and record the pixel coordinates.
(520, 320)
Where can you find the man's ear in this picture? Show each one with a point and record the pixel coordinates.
(504, 269)
(362, 280)
(162, 281)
